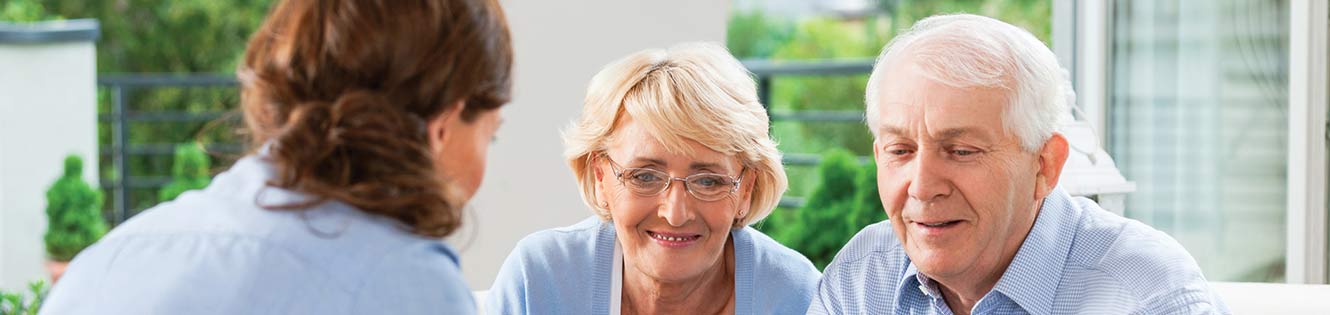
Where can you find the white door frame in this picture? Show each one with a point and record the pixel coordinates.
(1307, 85)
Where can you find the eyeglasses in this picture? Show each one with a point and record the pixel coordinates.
(647, 182)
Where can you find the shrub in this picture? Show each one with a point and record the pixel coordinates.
(17, 303)
(189, 171)
(843, 202)
(73, 213)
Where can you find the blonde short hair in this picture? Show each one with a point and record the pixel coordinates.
(695, 92)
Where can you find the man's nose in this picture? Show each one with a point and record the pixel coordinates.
(929, 180)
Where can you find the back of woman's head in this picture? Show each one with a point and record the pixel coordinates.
(340, 92)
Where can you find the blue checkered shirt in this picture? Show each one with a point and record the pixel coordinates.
(1077, 259)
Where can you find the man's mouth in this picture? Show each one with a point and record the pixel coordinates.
(939, 224)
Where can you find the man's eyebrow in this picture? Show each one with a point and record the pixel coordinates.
(945, 134)
(953, 133)
(892, 130)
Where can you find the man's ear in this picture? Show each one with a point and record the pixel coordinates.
(439, 125)
(1052, 157)
(876, 148)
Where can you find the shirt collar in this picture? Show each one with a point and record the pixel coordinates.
(1032, 279)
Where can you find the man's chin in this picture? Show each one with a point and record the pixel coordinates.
(935, 262)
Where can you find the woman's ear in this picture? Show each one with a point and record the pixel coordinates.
(599, 175)
(439, 126)
(746, 186)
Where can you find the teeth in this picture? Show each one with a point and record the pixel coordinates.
(936, 224)
(669, 238)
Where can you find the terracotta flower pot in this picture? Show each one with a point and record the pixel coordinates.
(56, 269)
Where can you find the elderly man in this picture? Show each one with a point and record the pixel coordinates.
(963, 110)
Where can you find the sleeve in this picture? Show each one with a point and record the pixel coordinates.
(824, 298)
(508, 295)
(82, 278)
(1185, 301)
(407, 283)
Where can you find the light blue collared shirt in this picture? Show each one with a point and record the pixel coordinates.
(1077, 259)
(569, 271)
(216, 251)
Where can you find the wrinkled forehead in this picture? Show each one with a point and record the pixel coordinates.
(633, 141)
(917, 106)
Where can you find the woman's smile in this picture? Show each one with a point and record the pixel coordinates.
(674, 239)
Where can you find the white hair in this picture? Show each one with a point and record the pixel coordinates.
(968, 51)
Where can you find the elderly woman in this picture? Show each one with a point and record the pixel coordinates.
(673, 157)
(371, 121)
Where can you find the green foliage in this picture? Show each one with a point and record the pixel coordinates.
(18, 303)
(73, 213)
(167, 36)
(189, 171)
(25, 11)
(823, 38)
(843, 202)
(754, 35)
(1033, 15)
(868, 203)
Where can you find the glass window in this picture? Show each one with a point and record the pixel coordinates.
(1198, 119)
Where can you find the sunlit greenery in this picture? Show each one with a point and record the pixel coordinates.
(159, 36)
(73, 213)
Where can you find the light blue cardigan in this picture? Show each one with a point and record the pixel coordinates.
(568, 271)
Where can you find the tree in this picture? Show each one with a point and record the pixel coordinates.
(188, 172)
(836, 209)
(73, 213)
(868, 203)
(167, 36)
(24, 11)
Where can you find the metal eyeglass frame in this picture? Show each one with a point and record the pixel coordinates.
(619, 171)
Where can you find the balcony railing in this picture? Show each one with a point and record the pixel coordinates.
(120, 150)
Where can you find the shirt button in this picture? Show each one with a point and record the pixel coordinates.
(924, 290)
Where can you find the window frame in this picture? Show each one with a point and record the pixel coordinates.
(1081, 34)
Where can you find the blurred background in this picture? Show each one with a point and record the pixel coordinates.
(1213, 114)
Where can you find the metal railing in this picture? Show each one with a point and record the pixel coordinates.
(121, 117)
(119, 86)
(766, 70)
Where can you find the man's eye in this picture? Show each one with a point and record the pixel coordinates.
(899, 151)
(964, 152)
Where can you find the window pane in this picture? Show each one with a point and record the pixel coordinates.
(1198, 119)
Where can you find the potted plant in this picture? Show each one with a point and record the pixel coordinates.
(189, 171)
(74, 217)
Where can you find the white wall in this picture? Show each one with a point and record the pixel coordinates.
(48, 109)
(559, 46)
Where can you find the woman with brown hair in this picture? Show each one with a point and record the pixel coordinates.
(370, 121)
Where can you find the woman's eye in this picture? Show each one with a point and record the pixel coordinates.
(707, 182)
(645, 177)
